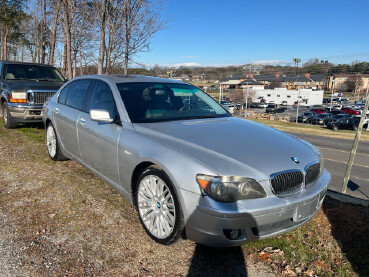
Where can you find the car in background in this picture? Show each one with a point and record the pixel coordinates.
(262, 105)
(305, 116)
(254, 105)
(336, 117)
(24, 87)
(320, 119)
(284, 103)
(318, 110)
(181, 163)
(271, 108)
(350, 111)
(345, 123)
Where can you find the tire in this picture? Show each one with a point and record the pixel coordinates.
(334, 128)
(158, 206)
(354, 128)
(9, 122)
(53, 145)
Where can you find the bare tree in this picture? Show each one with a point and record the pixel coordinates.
(68, 14)
(142, 20)
(53, 32)
(100, 62)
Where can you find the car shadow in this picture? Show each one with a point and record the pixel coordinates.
(350, 228)
(35, 125)
(211, 261)
(355, 187)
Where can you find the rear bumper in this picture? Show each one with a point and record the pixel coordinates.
(25, 112)
(260, 219)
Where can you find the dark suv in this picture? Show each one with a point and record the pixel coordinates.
(24, 88)
(345, 123)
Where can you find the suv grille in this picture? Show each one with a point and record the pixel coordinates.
(39, 97)
(287, 182)
(312, 173)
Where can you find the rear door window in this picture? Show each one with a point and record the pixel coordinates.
(77, 93)
(63, 94)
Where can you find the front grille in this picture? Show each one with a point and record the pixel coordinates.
(39, 97)
(287, 182)
(312, 172)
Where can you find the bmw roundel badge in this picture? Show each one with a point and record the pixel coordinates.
(296, 160)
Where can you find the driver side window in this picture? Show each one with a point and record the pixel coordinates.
(101, 98)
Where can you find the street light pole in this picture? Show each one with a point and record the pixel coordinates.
(298, 100)
(333, 83)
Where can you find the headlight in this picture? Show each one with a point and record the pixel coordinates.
(18, 97)
(230, 188)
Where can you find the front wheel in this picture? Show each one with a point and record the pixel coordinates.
(334, 128)
(9, 122)
(158, 206)
(354, 127)
(52, 144)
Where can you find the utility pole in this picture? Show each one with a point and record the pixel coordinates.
(356, 142)
(298, 99)
(333, 83)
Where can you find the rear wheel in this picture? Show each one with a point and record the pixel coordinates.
(52, 144)
(334, 128)
(9, 122)
(158, 206)
(354, 127)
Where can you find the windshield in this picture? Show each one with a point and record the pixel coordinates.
(155, 102)
(32, 72)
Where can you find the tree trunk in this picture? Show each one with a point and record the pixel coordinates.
(100, 63)
(43, 32)
(127, 38)
(53, 34)
(5, 44)
(67, 38)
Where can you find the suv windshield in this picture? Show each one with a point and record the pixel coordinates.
(32, 72)
(155, 102)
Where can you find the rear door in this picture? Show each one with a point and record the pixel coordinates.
(71, 102)
(98, 140)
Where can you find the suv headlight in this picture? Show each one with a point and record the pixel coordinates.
(18, 97)
(230, 188)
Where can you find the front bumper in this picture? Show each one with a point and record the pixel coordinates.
(26, 112)
(254, 219)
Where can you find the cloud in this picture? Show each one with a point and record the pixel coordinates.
(273, 62)
(190, 57)
(186, 64)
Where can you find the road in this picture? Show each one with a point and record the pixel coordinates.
(336, 153)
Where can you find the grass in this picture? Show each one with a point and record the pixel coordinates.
(311, 129)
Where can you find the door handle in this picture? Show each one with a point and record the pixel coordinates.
(56, 110)
(82, 121)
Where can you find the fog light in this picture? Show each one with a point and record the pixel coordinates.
(232, 234)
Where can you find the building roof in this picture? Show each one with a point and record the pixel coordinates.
(235, 77)
(264, 77)
(318, 77)
(294, 78)
(250, 81)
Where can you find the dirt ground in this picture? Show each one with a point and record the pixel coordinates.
(57, 219)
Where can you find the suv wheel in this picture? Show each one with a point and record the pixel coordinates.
(8, 121)
(354, 127)
(334, 128)
(158, 206)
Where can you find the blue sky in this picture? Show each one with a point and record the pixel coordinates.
(223, 32)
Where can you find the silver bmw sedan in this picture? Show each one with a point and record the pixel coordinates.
(189, 167)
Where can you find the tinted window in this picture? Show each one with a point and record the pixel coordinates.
(101, 98)
(153, 102)
(63, 94)
(32, 72)
(77, 93)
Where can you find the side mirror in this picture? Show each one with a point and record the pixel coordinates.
(101, 116)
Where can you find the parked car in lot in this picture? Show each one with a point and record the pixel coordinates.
(254, 105)
(336, 117)
(345, 123)
(262, 105)
(305, 116)
(24, 88)
(350, 111)
(320, 119)
(284, 103)
(319, 110)
(188, 168)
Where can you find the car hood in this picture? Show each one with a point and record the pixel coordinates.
(34, 85)
(232, 146)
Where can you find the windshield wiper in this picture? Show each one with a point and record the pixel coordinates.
(203, 116)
